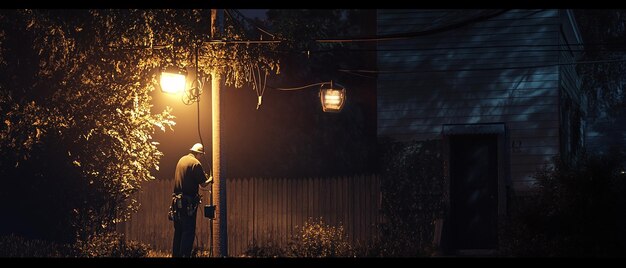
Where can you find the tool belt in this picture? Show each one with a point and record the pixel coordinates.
(183, 205)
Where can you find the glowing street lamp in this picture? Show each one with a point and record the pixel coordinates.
(173, 80)
(332, 98)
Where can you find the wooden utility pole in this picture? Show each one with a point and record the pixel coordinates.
(220, 238)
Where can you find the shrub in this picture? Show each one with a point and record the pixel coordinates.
(318, 239)
(412, 197)
(109, 245)
(200, 252)
(575, 210)
(314, 239)
(17, 246)
(269, 250)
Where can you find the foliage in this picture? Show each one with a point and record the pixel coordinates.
(75, 112)
(603, 32)
(238, 60)
(105, 245)
(319, 239)
(314, 239)
(17, 246)
(109, 244)
(268, 250)
(159, 254)
(413, 197)
(199, 252)
(66, 92)
(574, 211)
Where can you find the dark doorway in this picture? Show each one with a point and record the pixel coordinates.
(473, 191)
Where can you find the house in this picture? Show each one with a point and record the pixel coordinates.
(500, 91)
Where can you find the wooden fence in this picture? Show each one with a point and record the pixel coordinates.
(265, 210)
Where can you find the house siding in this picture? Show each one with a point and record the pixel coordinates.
(502, 70)
(573, 103)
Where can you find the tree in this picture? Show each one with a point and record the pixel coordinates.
(604, 33)
(576, 211)
(76, 125)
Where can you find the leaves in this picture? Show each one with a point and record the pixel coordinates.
(75, 87)
(604, 34)
(413, 195)
(90, 100)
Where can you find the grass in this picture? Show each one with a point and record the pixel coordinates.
(158, 254)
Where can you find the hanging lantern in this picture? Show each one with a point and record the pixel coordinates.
(332, 98)
(173, 80)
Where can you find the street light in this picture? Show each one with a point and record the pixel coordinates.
(173, 80)
(332, 98)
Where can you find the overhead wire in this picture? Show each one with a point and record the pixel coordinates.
(377, 38)
(401, 36)
(479, 69)
(409, 35)
(243, 29)
(254, 24)
(302, 87)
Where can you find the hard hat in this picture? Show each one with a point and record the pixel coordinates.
(198, 148)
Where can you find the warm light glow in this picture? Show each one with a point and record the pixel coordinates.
(172, 82)
(332, 99)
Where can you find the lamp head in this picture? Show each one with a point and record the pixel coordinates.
(173, 80)
(332, 98)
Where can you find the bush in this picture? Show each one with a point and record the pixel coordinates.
(318, 239)
(413, 198)
(269, 250)
(576, 210)
(314, 239)
(17, 246)
(109, 245)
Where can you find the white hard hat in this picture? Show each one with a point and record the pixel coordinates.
(198, 148)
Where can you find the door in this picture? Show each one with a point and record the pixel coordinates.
(473, 191)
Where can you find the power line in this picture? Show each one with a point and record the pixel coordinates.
(302, 87)
(478, 69)
(456, 48)
(243, 41)
(387, 37)
(401, 36)
(254, 24)
(331, 83)
(243, 29)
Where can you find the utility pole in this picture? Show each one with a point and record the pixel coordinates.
(220, 238)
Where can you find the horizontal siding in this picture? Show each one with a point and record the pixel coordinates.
(435, 126)
(391, 22)
(406, 134)
(427, 112)
(538, 41)
(469, 93)
(471, 77)
(471, 58)
(522, 119)
(570, 81)
(451, 100)
(502, 70)
(529, 156)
